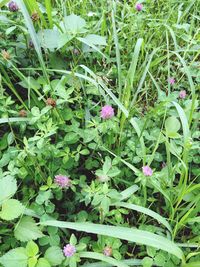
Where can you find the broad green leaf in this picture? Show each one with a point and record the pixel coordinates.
(8, 186)
(49, 38)
(54, 255)
(95, 39)
(125, 233)
(27, 230)
(42, 262)
(32, 249)
(15, 258)
(73, 24)
(11, 209)
(98, 256)
(146, 211)
(172, 125)
(32, 262)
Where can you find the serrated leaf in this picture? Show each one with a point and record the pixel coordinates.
(8, 187)
(54, 255)
(11, 209)
(15, 257)
(27, 230)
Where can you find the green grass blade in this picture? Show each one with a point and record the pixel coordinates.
(135, 57)
(129, 192)
(192, 87)
(33, 35)
(98, 256)
(8, 120)
(48, 5)
(124, 233)
(184, 121)
(117, 51)
(101, 264)
(146, 211)
(143, 77)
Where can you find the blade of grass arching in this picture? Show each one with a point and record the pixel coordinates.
(187, 10)
(173, 35)
(134, 169)
(146, 211)
(48, 5)
(128, 192)
(7, 81)
(184, 121)
(34, 37)
(143, 77)
(168, 63)
(124, 233)
(98, 256)
(186, 136)
(159, 91)
(8, 120)
(129, 83)
(117, 51)
(131, 72)
(21, 76)
(131, 262)
(84, 40)
(192, 87)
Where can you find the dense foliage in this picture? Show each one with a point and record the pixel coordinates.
(100, 137)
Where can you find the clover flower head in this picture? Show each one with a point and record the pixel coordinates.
(172, 81)
(182, 94)
(147, 171)
(69, 250)
(62, 181)
(107, 112)
(139, 7)
(107, 251)
(13, 6)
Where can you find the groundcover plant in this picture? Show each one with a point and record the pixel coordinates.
(99, 133)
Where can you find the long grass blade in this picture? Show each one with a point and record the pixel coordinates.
(146, 211)
(124, 233)
(98, 256)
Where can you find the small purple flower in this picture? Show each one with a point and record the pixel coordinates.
(139, 7)
(62, 181)
(69, 250)
(147, 171)
(107, 112)
(182, 94)
(107, 251)
(172, 81)
(13, 6)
